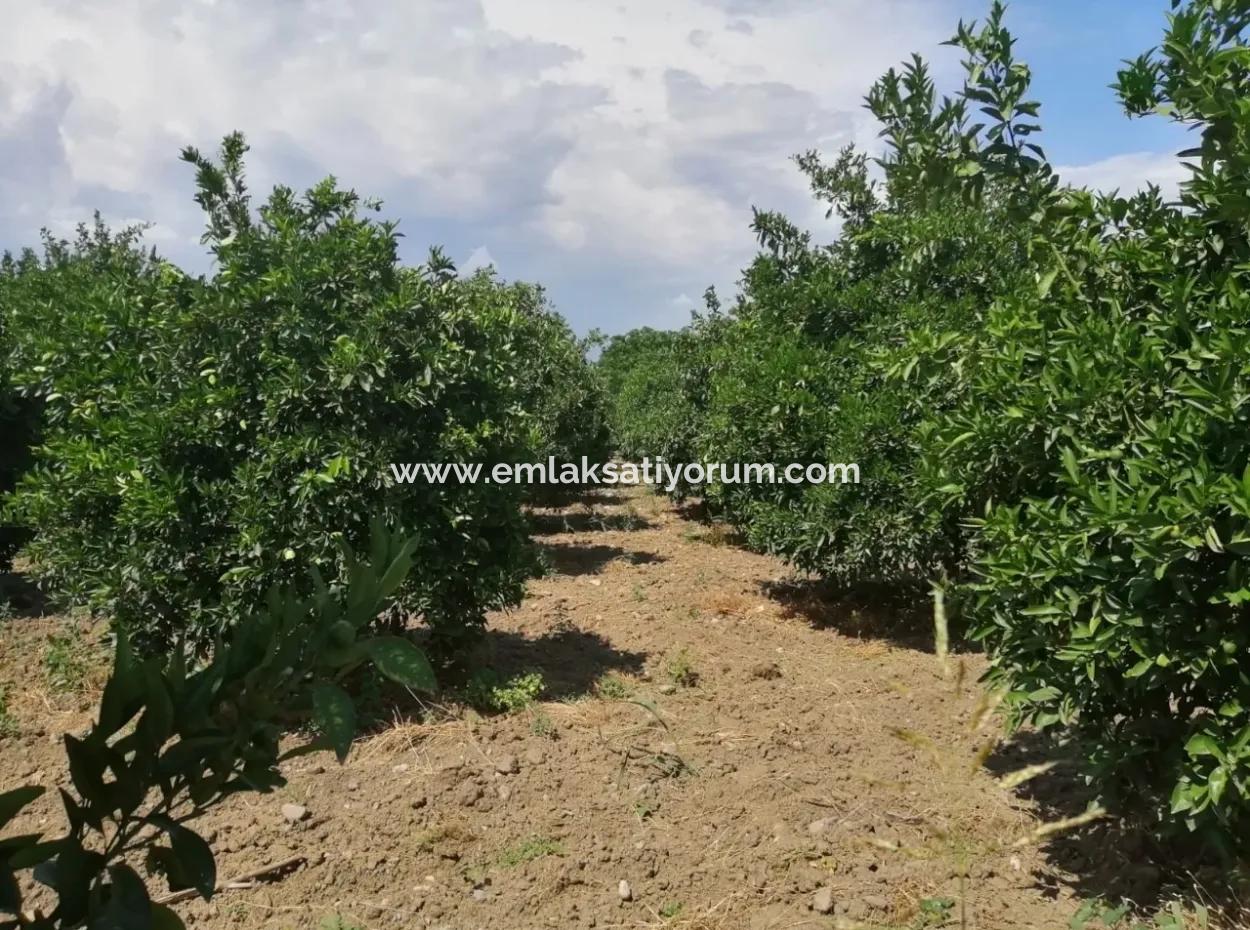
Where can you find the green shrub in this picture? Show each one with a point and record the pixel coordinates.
(1114, 597)
(559, 389)
(621, 354)
(210, 437)
(19, 416)
(1046, 391)
(67, 660)
(658, 384)
(820, 365)
(659, 419)
(486, 691)
(18, 423)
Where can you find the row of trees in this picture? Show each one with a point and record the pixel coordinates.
(199, 458)
(1047, 391)
(201, 438)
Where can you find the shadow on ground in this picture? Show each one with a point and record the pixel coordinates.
(20, 597)
(693, 509)
(556, 496)
(1117, 858)
(571, 660)
(898, 614)
(592, 521)
(574, 559)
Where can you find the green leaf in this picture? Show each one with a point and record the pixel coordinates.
(1181, 800)
(402, 662)
(1112, 916)
(396, 572)
(1084, 914)
(1069, 464)
(1200, 744)
(335, 716)
(1046, 281)
(158, 717)
(1041, 610)
(1213, 540)
(1217, 783)
(11, 802)
(120, 700)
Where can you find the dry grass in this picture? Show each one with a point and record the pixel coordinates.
(726, 603)
(648, 503)
(729, 913)
(716, 535)
(63, 695)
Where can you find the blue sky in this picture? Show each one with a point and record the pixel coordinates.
(1075, 49)
(610, 150)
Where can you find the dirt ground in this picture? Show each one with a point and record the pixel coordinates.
(717, 747)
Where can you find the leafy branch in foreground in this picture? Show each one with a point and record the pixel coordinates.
(172, 741)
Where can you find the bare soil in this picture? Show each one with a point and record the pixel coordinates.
(735, 748)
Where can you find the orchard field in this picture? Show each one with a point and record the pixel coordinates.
(248, 679)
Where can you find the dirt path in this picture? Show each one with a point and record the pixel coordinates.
(703, 740)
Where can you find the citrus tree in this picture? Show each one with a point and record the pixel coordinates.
(205, 437)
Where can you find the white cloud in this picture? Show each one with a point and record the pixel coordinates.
(703, 105)
(1128, 173)
(478, 258)
(614, 155)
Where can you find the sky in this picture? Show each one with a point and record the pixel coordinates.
(611, 151)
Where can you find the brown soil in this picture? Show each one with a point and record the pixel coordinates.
(713, 733)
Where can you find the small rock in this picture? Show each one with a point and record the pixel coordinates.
(816, 827)
(669, 688)
(822, 901)
(353, 786)
(623, 889)
(469, 794)
(856, 910)
(294, 813)
(479, 894)
(507, 765)
(876, 902)
(534, 756)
